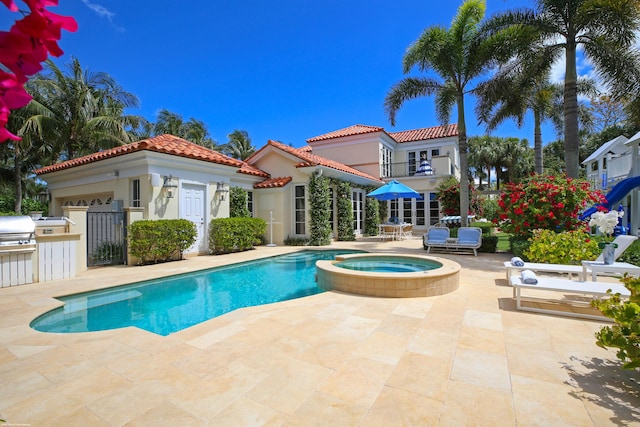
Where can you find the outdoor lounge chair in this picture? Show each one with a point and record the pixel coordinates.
(468, 238)
(623, 242)
(595, 289)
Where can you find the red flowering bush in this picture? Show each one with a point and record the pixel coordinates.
(23, 49)
(545, 202)
(448, 194)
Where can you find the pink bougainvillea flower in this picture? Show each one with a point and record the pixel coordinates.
(11, 5)
(12, 93)
(23, 49)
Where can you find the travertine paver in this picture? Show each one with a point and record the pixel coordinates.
(465, 358)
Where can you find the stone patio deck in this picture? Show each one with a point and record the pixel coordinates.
(465, 358)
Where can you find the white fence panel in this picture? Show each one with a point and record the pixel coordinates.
(56, 260)
(16, 269)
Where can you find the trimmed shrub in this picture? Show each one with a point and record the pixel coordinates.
(238, 203)
(345, 212)
(569, 247)
(162, 240)
(228, 235)
(372, 216)
(296, 241)
(519, 246)
(319, 210)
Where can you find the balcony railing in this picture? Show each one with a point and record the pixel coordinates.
(441, 166)
(617, 169)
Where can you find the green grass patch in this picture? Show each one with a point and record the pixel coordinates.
(503, 242)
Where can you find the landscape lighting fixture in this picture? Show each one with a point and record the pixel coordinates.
(222, 189)
(169, 186)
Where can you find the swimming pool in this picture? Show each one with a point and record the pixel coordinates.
(170, 304)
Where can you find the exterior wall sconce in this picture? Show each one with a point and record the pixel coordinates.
(222, 189)
(44, 196)
(169, 186)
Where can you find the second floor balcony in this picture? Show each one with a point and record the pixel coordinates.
(617, 169)
(440, 166)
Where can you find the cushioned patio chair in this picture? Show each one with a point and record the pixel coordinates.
(469, 238)
(435, 236)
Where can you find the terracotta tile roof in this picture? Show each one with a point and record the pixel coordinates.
(348, 131)
(308, 159)
(273, 182)
(425, 133)
(306, 149)
(167, 144)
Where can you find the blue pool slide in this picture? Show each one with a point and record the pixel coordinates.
(616, 194)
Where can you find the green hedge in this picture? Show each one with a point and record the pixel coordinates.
(153, 241)
(519, 245)
(228, 235)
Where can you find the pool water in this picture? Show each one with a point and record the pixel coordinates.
(388, 264)
(170, 304)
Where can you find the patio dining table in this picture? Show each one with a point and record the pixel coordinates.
(393, 230)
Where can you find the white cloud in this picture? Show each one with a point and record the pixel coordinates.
(100, 10)
(103, 12)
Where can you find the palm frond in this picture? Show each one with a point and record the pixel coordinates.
(406, 89)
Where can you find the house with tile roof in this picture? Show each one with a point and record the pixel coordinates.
(166, 177)
(419, 158)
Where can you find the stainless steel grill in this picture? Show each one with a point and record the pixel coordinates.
(17, 233)
(17, 246)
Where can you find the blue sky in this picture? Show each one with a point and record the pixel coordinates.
(284, 70)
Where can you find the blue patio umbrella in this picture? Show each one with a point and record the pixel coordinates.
(393, 190)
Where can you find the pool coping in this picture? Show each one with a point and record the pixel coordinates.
(427, 283)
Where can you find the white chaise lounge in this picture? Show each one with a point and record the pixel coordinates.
(595, 289)
(622, 241)
(469, 238)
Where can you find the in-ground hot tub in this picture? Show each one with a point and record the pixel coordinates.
(389, 275)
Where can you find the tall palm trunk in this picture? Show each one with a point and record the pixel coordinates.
(17, 179)
(571, 141)
(537, 140)
(464, 162)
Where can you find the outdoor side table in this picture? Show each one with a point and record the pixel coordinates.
(602, 268)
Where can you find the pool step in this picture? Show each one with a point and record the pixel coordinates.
(295, 258)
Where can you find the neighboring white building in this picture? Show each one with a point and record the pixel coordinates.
(616, 163)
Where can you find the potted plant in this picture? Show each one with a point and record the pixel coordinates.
(606, 223)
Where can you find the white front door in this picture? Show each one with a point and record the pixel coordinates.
(192, 208)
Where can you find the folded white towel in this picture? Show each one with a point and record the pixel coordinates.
(529, 277)
(516, 261)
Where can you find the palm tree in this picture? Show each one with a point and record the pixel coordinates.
(169, 123)
(80, 112)
(483, 155)
(522, 86)
(194, 130)
(458, 55)
(605, 29)
(239, 145)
